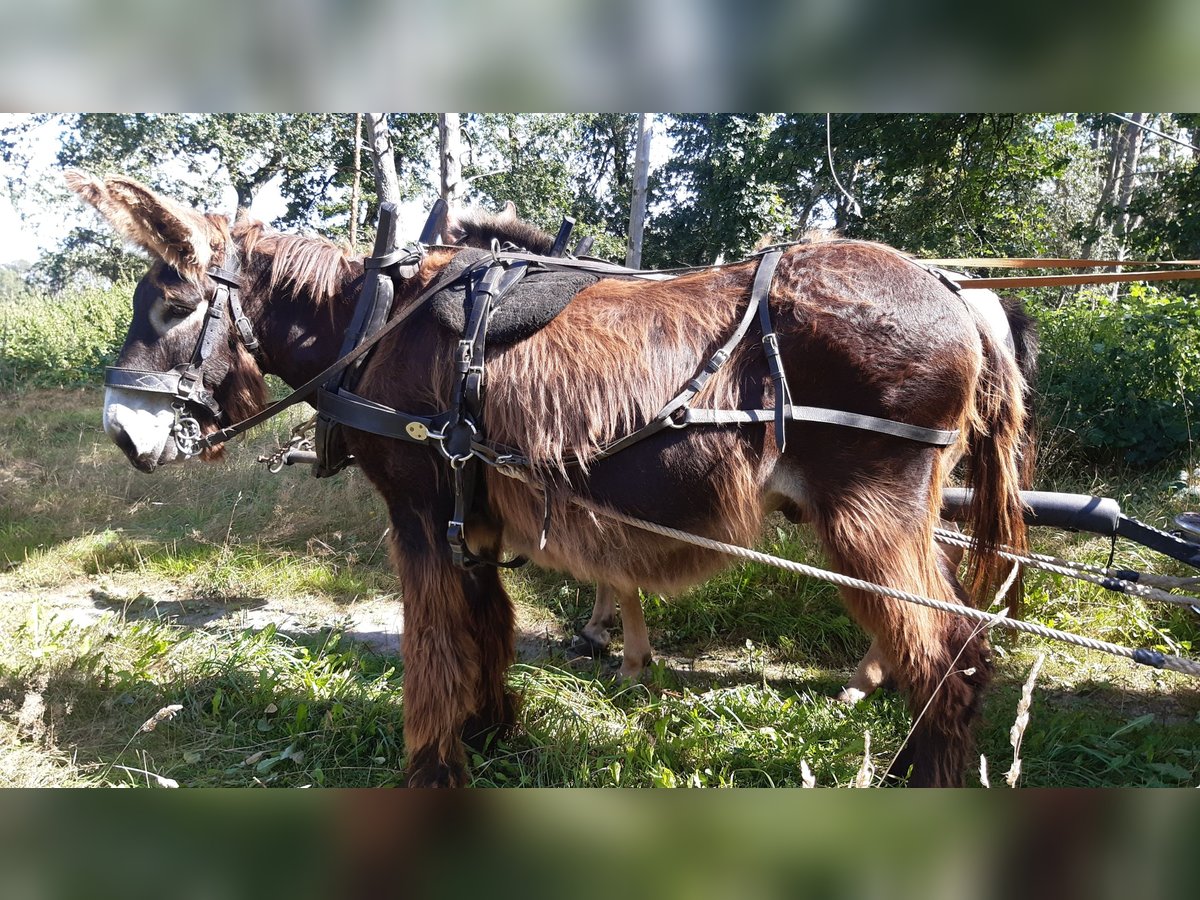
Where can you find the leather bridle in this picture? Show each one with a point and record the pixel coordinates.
(185, 383)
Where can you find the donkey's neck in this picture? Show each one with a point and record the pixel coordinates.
(301, 328)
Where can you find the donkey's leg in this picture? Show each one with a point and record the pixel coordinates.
(870, 674)
(604, 616)
(452, 679)
(872, 669)
(494, 627)
(638, 652)
(939, 663)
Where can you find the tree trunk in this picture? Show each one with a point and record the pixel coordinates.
(379, 138)
(641, 176)
(1118, 184)
(245, 197)
(356, 186)
(450, 157)
(1132, 150)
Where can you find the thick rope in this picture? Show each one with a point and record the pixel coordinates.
(1145, 656)
(1080, 571)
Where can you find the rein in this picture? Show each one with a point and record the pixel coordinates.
(309, 387)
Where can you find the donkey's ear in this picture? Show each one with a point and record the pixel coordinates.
(452, 228)
(94, 192)
(509, 213)
(171, 231)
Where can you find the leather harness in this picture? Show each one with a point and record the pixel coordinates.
(185, 383)
(459, 431)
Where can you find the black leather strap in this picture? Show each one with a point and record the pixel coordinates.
(357, 412)
(183, 383)
(933, 436)
(669, 415)
(760, 297)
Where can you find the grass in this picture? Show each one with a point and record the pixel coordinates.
(123, 595)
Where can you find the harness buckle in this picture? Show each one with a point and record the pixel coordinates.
(188, 380)
(245, 330)
(456, 538)
(679, 419)
(466, 349)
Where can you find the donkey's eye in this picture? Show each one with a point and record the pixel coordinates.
(179, 310)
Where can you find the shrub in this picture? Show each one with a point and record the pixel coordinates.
(62, 339)
(1122, 375)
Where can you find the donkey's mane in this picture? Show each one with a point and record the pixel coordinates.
(478, 228)
(304, 265)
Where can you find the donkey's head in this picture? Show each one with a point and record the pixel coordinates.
(181, 372)
(471, 227)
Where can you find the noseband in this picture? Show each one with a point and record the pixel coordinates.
(185, 383)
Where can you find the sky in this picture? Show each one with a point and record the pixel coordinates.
(26, 238)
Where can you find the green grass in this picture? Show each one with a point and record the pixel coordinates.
(125, 594)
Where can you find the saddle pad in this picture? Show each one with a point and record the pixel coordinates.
(526, 308)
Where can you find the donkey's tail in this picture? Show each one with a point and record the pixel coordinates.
(999, 451)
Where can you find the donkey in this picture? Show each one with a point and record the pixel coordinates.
(859, 327)
(1011, 328)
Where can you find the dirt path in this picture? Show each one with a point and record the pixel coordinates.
(377, 622)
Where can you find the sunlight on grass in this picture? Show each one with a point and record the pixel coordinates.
(741, 696)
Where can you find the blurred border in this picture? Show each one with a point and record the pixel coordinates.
(584, 844)
(866, 55)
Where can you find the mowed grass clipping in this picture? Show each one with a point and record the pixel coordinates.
(125, 598)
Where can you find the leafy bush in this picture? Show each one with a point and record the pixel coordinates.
(62, 339)
(1122, 375)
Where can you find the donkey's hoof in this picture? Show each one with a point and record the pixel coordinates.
(851, 695)
(595, 647)
(438, 776)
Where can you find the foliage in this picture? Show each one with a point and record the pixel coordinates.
(726, 190)
(62, 340)
(1168, 201)
(553, 165)
(196, 157)
(1122, 375)
(12, 281)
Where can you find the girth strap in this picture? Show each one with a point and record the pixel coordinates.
(464, 431)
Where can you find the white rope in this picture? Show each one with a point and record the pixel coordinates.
(1143, 656)
(1081, 571)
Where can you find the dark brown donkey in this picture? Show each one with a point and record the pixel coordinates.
(860, 329)
(1010, 328)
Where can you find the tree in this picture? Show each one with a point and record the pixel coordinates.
(194, 157)
(383, 158)
(723, 175)
(450, 157)
(551, 165)
(637, 213)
